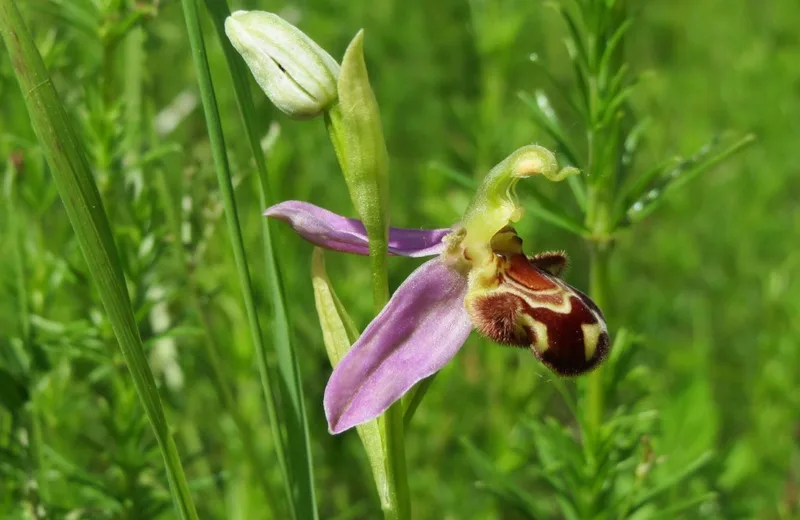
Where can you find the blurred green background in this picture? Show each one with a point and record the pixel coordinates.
(708, 284)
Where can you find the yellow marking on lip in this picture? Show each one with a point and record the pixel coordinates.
(565, 307)
(591, 337)
(542, 342)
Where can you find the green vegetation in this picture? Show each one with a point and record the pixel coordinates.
(683, 226)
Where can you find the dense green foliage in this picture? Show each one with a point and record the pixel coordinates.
(704, 287)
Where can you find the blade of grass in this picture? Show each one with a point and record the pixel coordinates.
(75, 184)
(298, 439)
(219, 153)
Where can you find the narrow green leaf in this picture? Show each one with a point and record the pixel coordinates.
(553, 213)
(502, 486)
(674, 511)
(557, 86)
(13, 394)
(578, 188)
(339, 333)
(688, 170)
(414, 397)
(460, 178)
(306, 508)
(298, 439)
(674, 480)
(576, 32)
(611, 45)
(73, 178)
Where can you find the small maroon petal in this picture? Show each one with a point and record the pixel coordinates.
(520, 269)
(551, 262)
(415, 335)
(331, 231)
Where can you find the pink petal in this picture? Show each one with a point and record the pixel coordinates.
(331, 231)
(416, 334)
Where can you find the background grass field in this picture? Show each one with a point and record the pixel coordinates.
(707, 285)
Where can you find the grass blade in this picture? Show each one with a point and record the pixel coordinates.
(222, 167)
(298, 439)
(75, 184)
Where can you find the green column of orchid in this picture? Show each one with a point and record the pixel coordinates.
(355, 130)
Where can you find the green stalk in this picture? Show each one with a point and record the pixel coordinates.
(298, 437)
(598, 292)
(354, 126)
(78, 191)
(219, 153)
(392, 420)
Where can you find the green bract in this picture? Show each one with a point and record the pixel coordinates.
(339, 333)
(297, 75)
(354, 125)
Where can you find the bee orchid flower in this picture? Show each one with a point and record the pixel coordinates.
(479, 279)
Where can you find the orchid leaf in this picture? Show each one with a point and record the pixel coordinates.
(339, 332)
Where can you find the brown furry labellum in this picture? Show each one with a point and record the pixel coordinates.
(527, 305)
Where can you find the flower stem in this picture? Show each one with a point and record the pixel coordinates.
(357, 139)
(598, 291)
(399, 506)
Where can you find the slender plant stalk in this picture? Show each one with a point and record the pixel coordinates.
(75, 184)
(392, 420)
(237, 242)
(599, 292)
(135, 56)
(298, 437)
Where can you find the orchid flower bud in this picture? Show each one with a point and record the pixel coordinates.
(297, 75)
